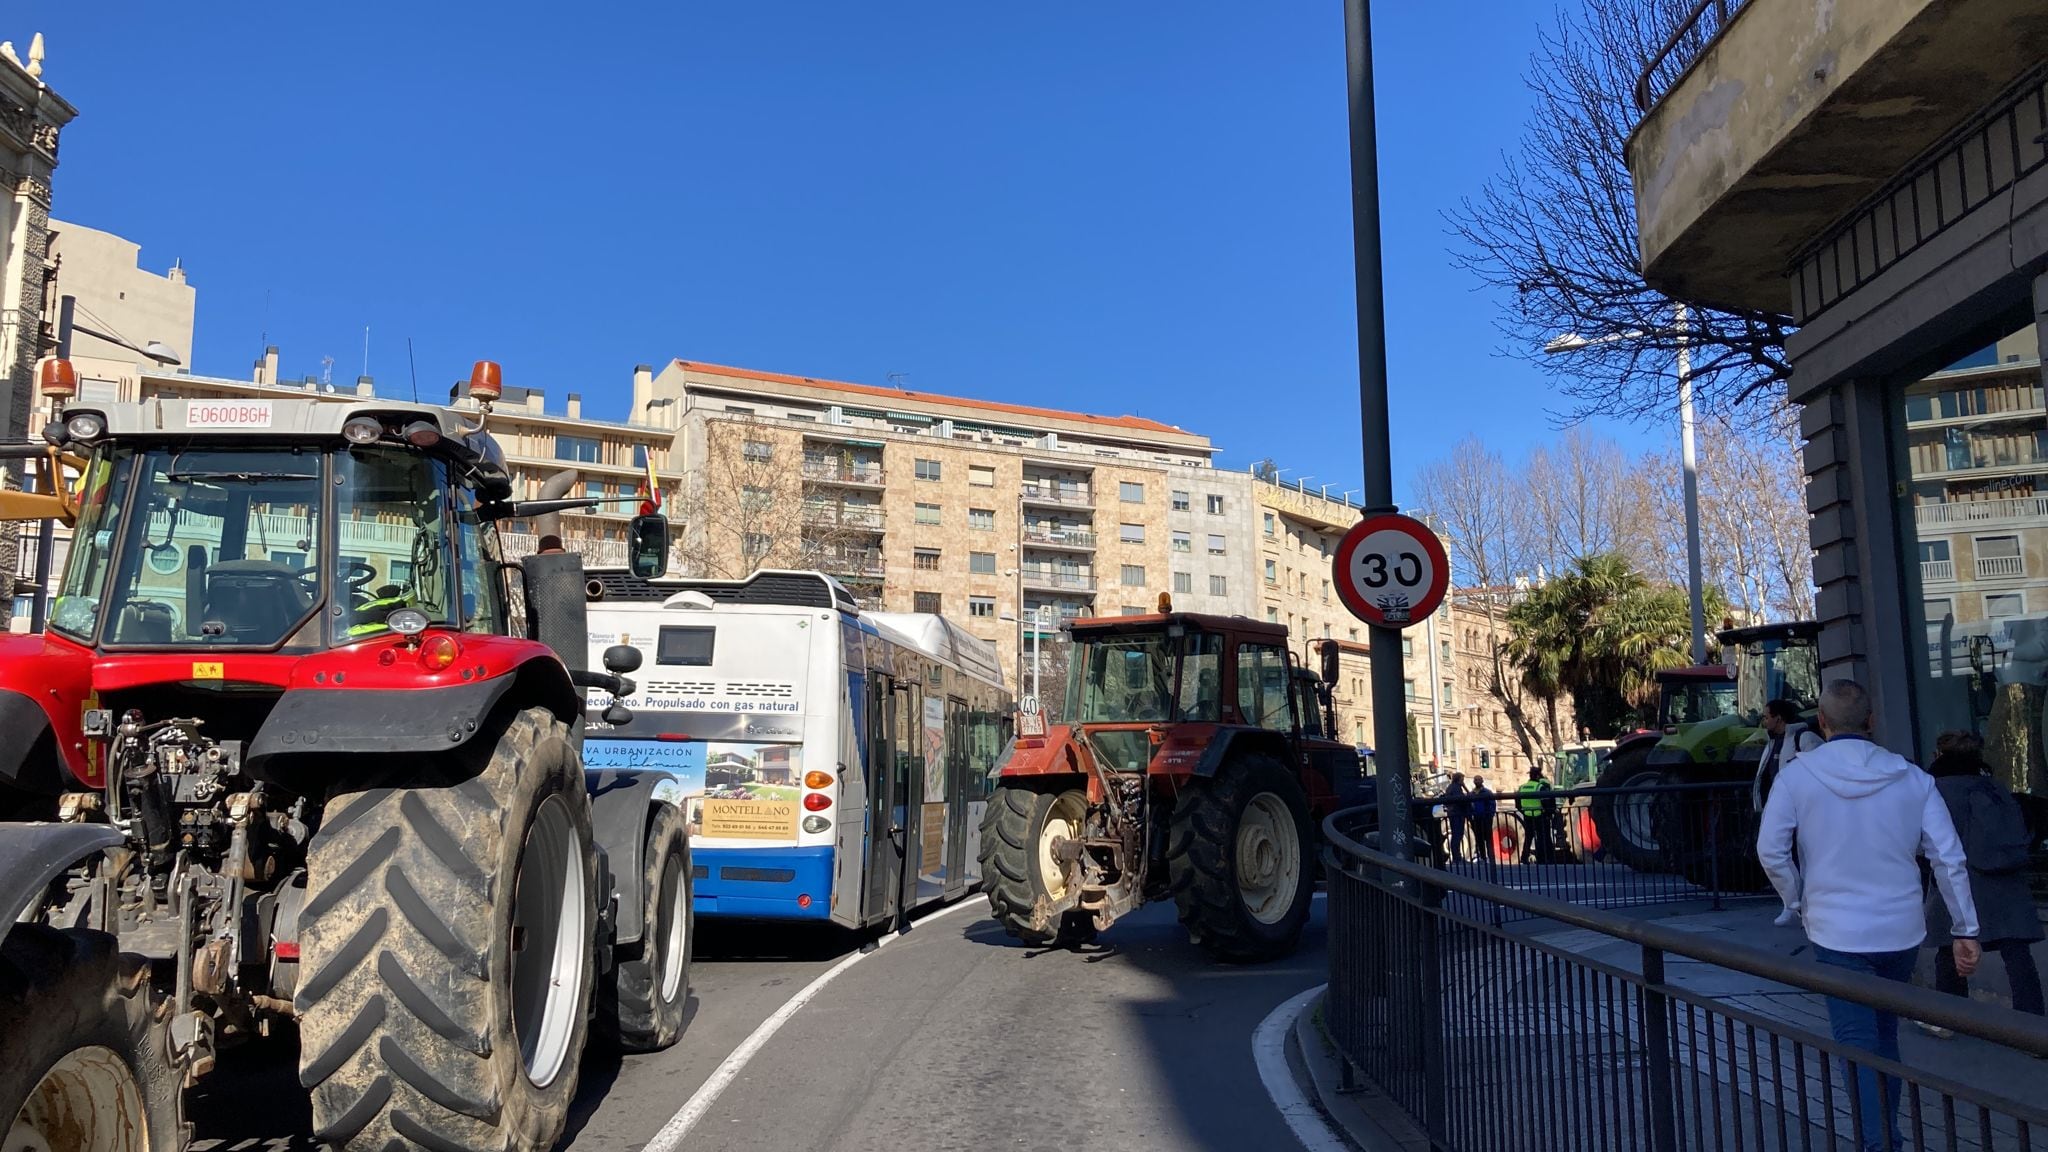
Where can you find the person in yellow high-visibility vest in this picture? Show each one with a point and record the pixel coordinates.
(1539, 817)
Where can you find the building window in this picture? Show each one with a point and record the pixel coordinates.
(756, 545)
(1180, 502)
(983, 607)
(927, 469)
(1182, 542)
(1134, 575)
(1215, 505)
(578, 448)
(1407, 647)
(981, 475)
(1215, 544)
(1131, 493)
(1272, 572)
(981, 563)
(981, 519)
(1354, 634)
(1998, 605)
(758, 450)
(1998, 556)
(1267, 523)
(927, 513)
(1272, 614)
(1219, 585)
(1448, 701)
(1183, 582)
(926, 602)
(925, 559)
(1938, 608)
(639, 455)
(1132, 610)
(756, 497)
(1131, 533)
(1407, 686)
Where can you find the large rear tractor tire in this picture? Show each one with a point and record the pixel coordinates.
(1237, 860)
(1017, 866)
(1626, 825)
(446, 949)
(81, 1067)
(642, 1002)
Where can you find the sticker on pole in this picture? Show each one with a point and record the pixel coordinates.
(1391, 571)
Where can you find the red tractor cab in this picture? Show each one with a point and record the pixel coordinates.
(1193, 759)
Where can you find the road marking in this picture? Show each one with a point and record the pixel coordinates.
(1269, 1051)
(670, 1138)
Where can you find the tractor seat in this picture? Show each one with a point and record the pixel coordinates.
(254, 601)
(144, 622)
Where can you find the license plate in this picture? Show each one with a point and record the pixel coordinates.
(227, 414)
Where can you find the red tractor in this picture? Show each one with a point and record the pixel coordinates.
(301, 747)
(1192, 760)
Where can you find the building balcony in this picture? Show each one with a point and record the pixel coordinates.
(1048, 496)
(844, 475)
(853, 565)
(1937, 571)
(2000, 567)
(1055, 580)
(859, 518)
(1061, 539)
(2022, 511)
(1772, 132)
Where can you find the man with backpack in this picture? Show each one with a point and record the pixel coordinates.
(1993, 832)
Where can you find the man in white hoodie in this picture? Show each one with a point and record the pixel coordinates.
(1860, 816)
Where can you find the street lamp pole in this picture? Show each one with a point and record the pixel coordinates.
(1689, 462)
(1389, 707)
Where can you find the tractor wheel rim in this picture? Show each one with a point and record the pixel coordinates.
(674, 946)
(1062, 822)
(1268, 858)
(549, 918)
(88, 1102)
(1636, 814)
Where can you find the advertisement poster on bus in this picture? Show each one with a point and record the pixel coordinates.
(932, 834)
(732, 791)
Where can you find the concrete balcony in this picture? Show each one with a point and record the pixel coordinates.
(1937, 571)
(1060, 539)
(1771, 139)
(853, 565)
(858, 517)
(2000, 567)
(843, 475)
(1055, 580)
(1048, 496)
(2019, 512)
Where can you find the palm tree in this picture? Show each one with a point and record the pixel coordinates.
(1599, 633)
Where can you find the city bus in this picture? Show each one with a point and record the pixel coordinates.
(834, 763)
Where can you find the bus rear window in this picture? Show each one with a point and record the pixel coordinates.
(688, 646)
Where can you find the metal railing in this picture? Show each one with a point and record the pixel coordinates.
(1060, 538)
(842, 516)
(1054, 578)
(853, 564)
(1062, 497)
(2020, 509)
(834, 471)
(1488, 1039)
(1680, 50)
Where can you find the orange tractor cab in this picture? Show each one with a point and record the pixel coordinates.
(1193, 759)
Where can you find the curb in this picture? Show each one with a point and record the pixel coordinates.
(1364, 1116)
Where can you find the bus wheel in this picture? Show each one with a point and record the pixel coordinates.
(1017, 868)
(641, 1006)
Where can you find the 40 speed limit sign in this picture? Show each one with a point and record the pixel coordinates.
(1391, 570)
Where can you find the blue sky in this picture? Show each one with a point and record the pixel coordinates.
(1110, 206)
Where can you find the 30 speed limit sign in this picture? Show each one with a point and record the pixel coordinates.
(1391, 570)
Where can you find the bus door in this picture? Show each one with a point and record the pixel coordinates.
(957, 739)
(907, 788)
(884, 871)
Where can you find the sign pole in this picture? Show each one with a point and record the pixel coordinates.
(1389, 701)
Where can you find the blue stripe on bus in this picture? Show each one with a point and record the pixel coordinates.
(750, 882)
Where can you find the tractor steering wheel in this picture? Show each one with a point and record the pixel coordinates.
(355, 576)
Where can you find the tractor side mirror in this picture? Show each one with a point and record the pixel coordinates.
(1329, 655)
(647, 546)
(620, 659)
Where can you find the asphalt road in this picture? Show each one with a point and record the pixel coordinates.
(953, 1037)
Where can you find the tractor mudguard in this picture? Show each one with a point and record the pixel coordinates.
(360, 721)
(622, 801)
(32, 855)
(1232, 739)
(25, 726)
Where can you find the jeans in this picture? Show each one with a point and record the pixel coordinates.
(1457, 839)
(1874, 1032)
(2019, 964)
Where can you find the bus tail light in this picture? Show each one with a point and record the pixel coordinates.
(816, 824)
(817, 779)
(803, 900)
(817, 801)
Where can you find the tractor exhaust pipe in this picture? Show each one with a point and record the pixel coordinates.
(554, 488)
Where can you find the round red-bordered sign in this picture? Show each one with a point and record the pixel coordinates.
(1391, 570)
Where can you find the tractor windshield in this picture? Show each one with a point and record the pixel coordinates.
(1121, 677)
(1691, 701)
(1769, 669)
(209, 548)
(241, 547)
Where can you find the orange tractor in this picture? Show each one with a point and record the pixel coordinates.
(1193, 759)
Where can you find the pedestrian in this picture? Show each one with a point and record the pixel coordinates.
(1862, 816)
(1482, 805)
(1457, 812)
(1788, 737)
(1539, 816)
(1993, 833)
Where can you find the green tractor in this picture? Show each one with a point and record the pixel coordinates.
(1624, 824)
(1710, 838)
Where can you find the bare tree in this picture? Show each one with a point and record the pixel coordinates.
(1557, 230)
(1578, 498)
(744, 508)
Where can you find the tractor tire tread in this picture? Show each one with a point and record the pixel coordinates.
(1200, 875)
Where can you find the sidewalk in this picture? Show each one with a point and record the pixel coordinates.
(1375, 1124)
